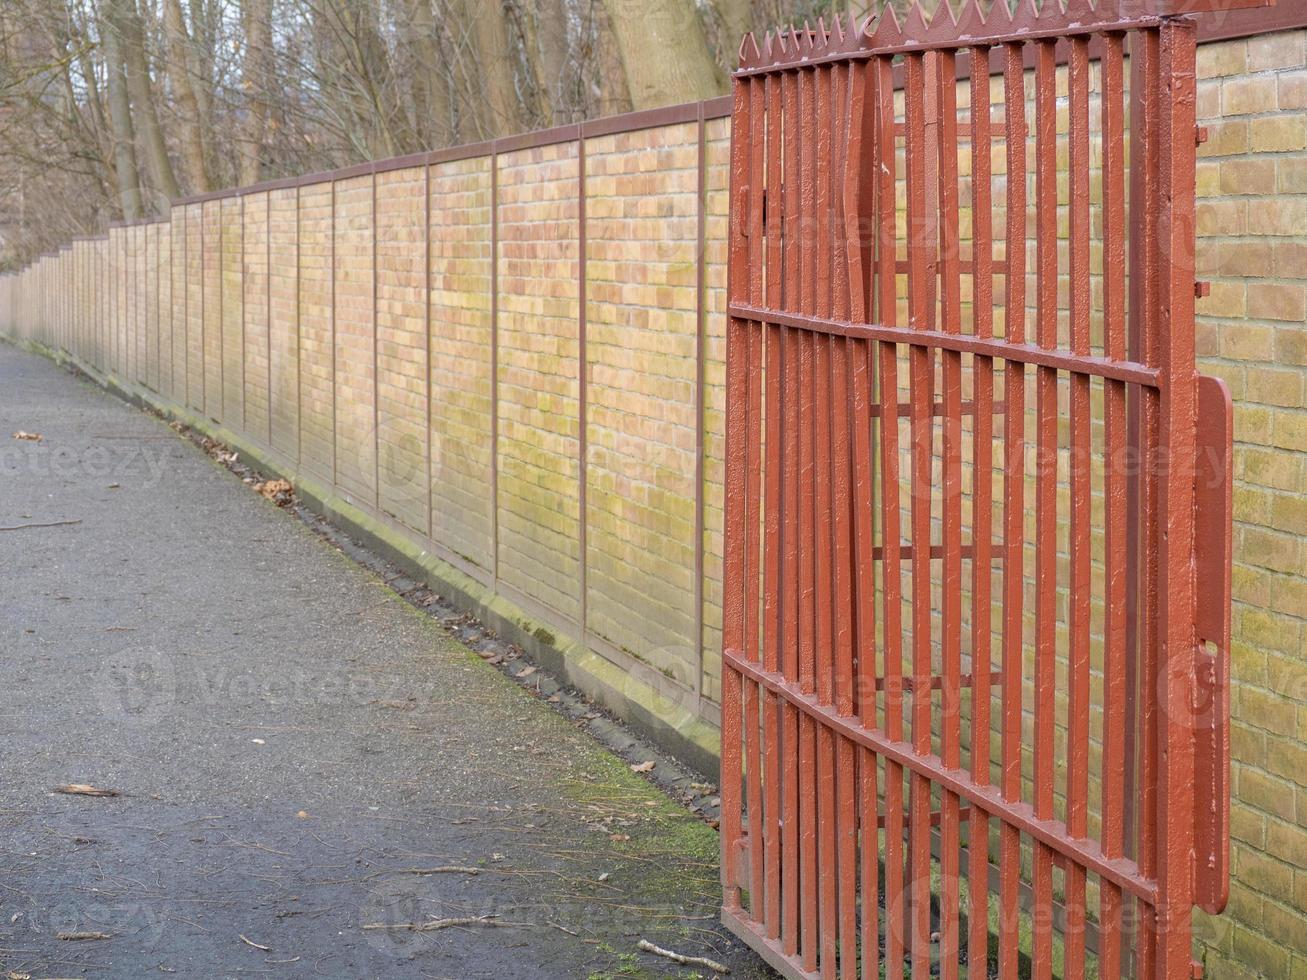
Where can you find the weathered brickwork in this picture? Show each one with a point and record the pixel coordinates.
(316, 335)
(356, 444)
(232, 317)
(539, 376)
(268, 311)
(462, 464)
(716, 211)
(641, 332)
(195, 351)
(150, 280)
(254, 304)
(283, 342)
(402, 412)
(211, 307)
(164, 324)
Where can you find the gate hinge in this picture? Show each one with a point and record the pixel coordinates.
(1213, 516)
(1202, 289)
(1200, 135)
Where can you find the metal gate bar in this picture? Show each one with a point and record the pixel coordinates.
(846, 781)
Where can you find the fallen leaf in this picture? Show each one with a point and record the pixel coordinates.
(604, 876)
(303, 814)
(526, 672)
(79, 937)
(278, 491)
(644, 766)
(82, 789)
(28, 436)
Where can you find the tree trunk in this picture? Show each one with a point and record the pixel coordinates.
(429, 88)
(614, 95)
(497, 114)
(120, 115)
(256, 78)
(545, 38)
(664, 52)
(132, 43)
(737, 19)
(181, 75)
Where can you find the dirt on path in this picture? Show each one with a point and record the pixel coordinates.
(313, 777)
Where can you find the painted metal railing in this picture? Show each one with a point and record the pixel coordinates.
(955, 737)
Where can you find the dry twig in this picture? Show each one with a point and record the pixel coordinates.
(432, 925)
(20, 527)
(684, 960)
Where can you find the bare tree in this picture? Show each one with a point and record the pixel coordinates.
(498, 111)
(120, 113)
(145, 115)
(256, 78)
(182, 81)
(664, 51)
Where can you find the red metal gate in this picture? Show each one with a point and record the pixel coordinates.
(976, 606)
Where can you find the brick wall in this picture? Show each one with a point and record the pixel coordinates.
(413, 339)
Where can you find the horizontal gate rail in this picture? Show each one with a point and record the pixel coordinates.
(1101, 367)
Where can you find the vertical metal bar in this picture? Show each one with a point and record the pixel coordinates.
(823, 475)
(222, 302)
(775, 449)
(244, 359)
(376, 359)
(299, 345)
(753, 338)
(1145, 156)
(951, 581)
(921, 395)
(891, 517)
(845, 817)
(1014, 468)
(791, 541)
(1114, 502)
(809, 870)
(494, 367)
(733, 589)
(583, 398)
(1046, 531)
(331, 275)
(1077, 784)
(1177, 385)
(863, 100)
(700, 359)
(426, 338)
(267, 307)
(982, 496)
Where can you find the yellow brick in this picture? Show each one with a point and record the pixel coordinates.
(1225, 138)
(1224, 217)
(1282, 50)
(1292, 90)
(1283, 216)
(1278, 301)
(1225, 58)
(1248, 176)
(1275, 386)
(1226, 299)
(1276, 134)
(1291, 175)
(1244, 95)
